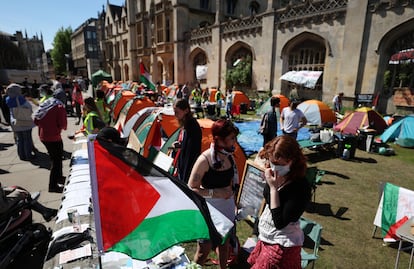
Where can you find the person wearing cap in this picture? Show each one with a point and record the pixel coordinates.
(45, 92)
(23, 134)
(51, 120)
(292, 119)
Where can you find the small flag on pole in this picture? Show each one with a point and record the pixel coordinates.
(145, 77)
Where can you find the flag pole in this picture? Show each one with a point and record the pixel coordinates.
(95, 197)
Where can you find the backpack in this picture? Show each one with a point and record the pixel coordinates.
(263, 129)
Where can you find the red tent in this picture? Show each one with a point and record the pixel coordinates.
(239, 97)
(361, 118)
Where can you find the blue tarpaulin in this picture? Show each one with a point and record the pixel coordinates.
(251, 141)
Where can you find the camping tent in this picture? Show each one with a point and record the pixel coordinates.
(158, 124)
(239, 98)
(363, 117)
(130, 108)
(134, 121)
(207, 138)
(100, 75)
(121, 98)
(317, 112)
(265, 107)
(401, 131)
(136, 104)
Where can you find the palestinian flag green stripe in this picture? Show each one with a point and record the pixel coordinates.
(389, 207)
(156, 234)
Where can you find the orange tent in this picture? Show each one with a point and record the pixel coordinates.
(284, 101)
(317, 112)
(265, 107)
(149, 133)
(121, 98)
(130, 108)
(239, 97)
(136, 105)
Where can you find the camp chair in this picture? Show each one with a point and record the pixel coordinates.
(314, 176)
(312, 232)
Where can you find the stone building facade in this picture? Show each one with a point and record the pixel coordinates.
(115, 42)
(350, 41)
(85, 49)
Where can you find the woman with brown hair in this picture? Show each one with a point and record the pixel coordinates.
(287, 193)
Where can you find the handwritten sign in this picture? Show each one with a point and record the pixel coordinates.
(250, 195)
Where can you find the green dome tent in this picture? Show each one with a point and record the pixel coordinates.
(100, 75)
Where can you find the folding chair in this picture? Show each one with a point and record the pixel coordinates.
(312, 231)
(314, 176)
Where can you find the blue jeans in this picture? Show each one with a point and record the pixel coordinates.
(24, 144)
(294, 134)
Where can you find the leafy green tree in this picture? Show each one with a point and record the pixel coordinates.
(241, 74)
(61, 48)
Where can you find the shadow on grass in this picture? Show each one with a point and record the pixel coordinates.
(326, 210)
(342, 176)
(361, 160)
(320, 156)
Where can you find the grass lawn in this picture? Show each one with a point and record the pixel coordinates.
(345, 205)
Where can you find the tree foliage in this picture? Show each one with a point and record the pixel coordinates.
(241, 74)
(61, 46)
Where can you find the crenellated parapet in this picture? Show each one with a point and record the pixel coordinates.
(201, 35)
(242, 26)
(381, 5)
(233, 27)
(310, 11)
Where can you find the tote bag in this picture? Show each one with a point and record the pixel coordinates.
(22, 115)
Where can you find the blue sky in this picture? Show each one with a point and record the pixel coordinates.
(47, 16)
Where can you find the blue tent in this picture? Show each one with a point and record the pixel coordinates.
(402, 132)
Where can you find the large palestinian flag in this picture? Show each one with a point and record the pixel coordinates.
(140, 210)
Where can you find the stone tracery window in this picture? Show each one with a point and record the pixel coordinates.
(307, 56)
